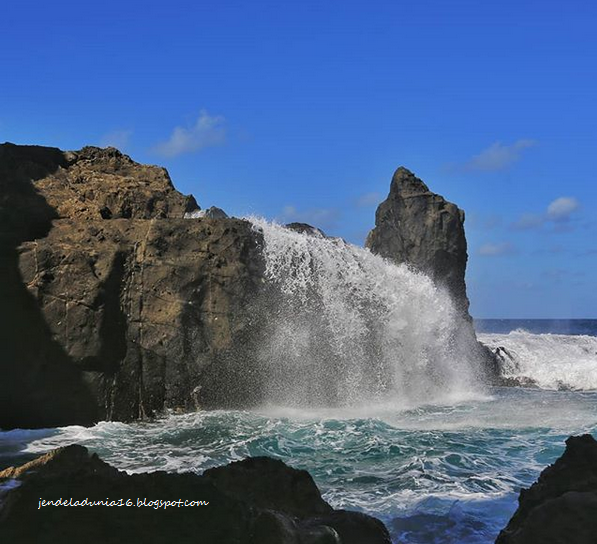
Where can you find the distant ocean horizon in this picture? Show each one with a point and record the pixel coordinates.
(537, 326)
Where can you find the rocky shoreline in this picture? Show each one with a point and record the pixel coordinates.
(255, 501)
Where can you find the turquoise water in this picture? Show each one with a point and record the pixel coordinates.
(433, 474)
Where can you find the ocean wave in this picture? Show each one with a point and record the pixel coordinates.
(548, 361)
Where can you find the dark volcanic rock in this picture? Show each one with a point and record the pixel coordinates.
(114, 306)
(250, 512)
(561, 507)
(425, 231)
(293, 491)
(420, 228)
(305, 228)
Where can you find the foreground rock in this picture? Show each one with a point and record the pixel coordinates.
(561, 507)
(113, 305)
(255, 501)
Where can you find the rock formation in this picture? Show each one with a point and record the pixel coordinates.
(561, 506)
(121, 299)
(113, 305)
(255, 501)
(420, 228)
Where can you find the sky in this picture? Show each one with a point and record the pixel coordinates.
(301, 111)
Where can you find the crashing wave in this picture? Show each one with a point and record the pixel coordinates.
(548, 361)
(346, 327)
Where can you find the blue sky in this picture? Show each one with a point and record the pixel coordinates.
(303, 110)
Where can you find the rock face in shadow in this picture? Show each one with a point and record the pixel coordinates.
(420, 228)
(255, 501)
(561, 507)
(114, 305)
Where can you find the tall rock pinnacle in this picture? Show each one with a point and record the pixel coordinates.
(420, 228)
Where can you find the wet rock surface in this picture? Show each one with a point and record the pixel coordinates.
(255, 501)
(420, 228)
(561, 507)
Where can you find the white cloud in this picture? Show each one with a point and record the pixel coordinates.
(498, 156)
(369, 199)
(207, 131)
(528, 221)
(562, 208)
(316, 217)
(118, 138)
(491, 250)
(559, 212)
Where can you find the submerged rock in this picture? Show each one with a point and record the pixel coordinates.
(561, 507)
(255, 501)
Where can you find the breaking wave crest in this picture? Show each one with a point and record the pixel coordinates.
(548, 361)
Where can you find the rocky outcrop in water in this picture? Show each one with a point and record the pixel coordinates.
(121, 299)
(420, 228)
(255, 501)
(561, 507)
(113, 305)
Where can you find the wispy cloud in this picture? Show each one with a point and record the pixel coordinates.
(316, 217)
(559, 212)
(207, 131)
(552, 250)
(492, 250)
(369, 199)
(496, 157)
(528, 221)
(119, 139)
(478, 221)
(559, 275)
(562, 208)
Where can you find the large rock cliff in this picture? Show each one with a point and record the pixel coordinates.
(420, 228)
(113, 305)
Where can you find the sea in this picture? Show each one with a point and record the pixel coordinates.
(436, 468)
